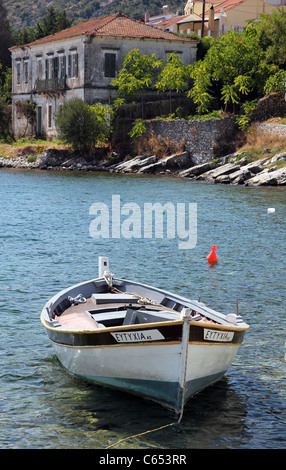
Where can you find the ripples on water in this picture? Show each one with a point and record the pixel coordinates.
(46, 246)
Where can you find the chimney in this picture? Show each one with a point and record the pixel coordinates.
(211, 19)
(147, 17)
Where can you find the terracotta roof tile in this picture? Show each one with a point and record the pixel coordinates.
(117, 25)
(170, 21)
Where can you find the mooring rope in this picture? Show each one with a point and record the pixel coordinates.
(141, 300)
(140, 434)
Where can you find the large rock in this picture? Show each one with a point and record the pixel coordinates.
(243, 174)
(278, 157)
(198, 169)
(220, 174)
(53, 158)
(268, 177)
(173, 163)
(135, 164)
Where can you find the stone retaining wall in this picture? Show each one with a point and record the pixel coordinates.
(204, 140)
(278, 130)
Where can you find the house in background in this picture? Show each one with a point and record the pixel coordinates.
(234, 14)
(229, 14)
(191, 24)
(219, 16)
(155, 20)
(81, 61)
(171, 24)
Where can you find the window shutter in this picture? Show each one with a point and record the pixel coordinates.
(64, 66)
(109, 65)
(75, 65)
(69, 66)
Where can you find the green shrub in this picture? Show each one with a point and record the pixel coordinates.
(79, 125)
(32, 158)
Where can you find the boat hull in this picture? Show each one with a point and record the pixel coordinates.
(150, 370)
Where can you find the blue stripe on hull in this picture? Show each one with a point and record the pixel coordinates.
(165, 393)
(196, 385)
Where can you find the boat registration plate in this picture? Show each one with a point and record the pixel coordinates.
(215, 335)
(137, 336)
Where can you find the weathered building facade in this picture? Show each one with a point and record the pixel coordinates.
(80, 61)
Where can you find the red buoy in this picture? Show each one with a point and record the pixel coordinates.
(212, 257)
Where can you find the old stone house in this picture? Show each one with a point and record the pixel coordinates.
(80, 61)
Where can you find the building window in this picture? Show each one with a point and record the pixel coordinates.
(52, 67)
(109, 64)
(26, 71)
(62, 66)
(49, 116)
(73, 65)
(18, 71)
(39, 68)
(47, 68)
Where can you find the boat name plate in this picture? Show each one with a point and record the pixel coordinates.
(215, 335)
(137, 336)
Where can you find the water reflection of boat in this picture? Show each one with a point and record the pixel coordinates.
(141, 339)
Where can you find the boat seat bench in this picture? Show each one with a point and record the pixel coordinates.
(133, 317)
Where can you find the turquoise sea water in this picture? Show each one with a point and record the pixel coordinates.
(46, 246)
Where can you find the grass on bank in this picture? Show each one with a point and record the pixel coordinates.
(262, 144)
(28, 147)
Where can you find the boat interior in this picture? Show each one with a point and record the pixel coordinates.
(122, 304)
(113, 312)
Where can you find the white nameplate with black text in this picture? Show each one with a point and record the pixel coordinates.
(137, 336)
(215, 335)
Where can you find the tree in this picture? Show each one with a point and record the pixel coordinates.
(230, 69)
(6, 85)
(201, 89)
(276, 83)
(173, 76)
(81, 125)
(6, 39)
(271, 33)
(138, 74)
(53, 22)
(5, 101)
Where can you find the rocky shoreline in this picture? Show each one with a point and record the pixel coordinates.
(232, 169)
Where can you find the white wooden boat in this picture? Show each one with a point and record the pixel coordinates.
(141, 339)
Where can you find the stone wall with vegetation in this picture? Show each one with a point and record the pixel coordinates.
(203, 140)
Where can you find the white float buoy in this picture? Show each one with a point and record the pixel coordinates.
(270, 210)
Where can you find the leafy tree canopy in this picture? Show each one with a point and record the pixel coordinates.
(138, 73)
(6, 39)
(173, 76)
(270, 31)
(242, 65)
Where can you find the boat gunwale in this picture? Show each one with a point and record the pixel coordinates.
(141, 325)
